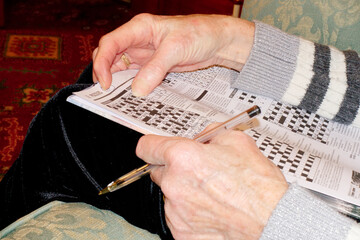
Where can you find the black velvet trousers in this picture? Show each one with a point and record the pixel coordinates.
(69, 154)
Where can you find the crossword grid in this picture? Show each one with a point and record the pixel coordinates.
(299, 121)
(247, 97)
(158, 115)
(168, 82)
(291, 161)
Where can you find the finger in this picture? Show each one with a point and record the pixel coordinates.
(211, 126)
(95, 79)
(155, 149)
(166, 152)
(151, 149)
(156, 175)
(153, 72)
(121, 62)
(233, 138)
(135, 32)
(207, 128)
(103, 59)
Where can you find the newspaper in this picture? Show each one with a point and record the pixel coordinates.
(310, 150)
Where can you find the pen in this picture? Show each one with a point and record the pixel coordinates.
(204, 137)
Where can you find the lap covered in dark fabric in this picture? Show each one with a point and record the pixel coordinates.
(69, 154)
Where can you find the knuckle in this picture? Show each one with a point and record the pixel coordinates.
(237, 139)
(181, 153)
(170, 191)
(180, 156)
(241, 137)
(157, 68)
(103, 40)
(143, 17)
(174, 150)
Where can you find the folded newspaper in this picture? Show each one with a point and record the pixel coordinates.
(312, 151)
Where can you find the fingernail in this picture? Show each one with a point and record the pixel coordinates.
(137, 93)
(102, 85)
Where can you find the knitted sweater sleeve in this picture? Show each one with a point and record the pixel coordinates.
(300, 215)
(318, 78)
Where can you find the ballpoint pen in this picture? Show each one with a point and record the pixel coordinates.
(204, 137)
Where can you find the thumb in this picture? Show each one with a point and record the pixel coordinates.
(155, 70)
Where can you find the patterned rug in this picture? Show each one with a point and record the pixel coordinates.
(36, 62)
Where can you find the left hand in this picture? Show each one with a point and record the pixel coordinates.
(224, 189)
(157, 45)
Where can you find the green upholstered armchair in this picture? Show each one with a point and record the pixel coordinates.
(76, 221)
(329, 22)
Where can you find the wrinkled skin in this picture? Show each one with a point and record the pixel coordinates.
(159, 44)
(225, 189)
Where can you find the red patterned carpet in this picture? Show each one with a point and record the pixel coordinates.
(45, 46)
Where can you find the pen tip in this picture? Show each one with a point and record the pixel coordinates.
(105, 190)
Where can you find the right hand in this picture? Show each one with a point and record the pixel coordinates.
(159, 44)
(226, 189)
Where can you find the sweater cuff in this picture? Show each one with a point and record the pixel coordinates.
(301, 215)
(271, 63)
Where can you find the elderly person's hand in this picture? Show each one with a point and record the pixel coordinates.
(226, 189)
(159, 44)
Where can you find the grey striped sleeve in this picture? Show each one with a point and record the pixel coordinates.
(318, 78)
(351, 102)
(271, 62)
(333, 90)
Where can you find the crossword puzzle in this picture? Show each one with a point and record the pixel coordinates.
(291, 161)
(201, 78)
(356, 178)
(247, 97)
(170, 119)
(299, 121)
(167, 82)
(355, 184)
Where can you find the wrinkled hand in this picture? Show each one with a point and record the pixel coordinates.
(226, 189)
(159, 44)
